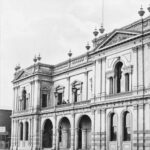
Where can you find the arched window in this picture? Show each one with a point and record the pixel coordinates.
(44, 100)
(113, 127)
(21, 131)
(118, 75)
(24, 99)
(26, 131)
(126, 126)
(127, 82)
(111, 85)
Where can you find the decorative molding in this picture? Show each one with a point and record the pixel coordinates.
(110, 74)
(128, 69)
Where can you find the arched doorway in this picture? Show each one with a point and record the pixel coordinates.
(84, 133)
(64, 134)
(47, 140)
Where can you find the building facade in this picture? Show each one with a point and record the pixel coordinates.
(5, 129)
(97, 101)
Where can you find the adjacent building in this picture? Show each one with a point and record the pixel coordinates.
(5, 129)
(99, 100)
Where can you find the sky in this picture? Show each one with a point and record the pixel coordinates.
(52, 28)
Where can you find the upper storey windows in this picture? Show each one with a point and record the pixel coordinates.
(77, 91)
(44, 97)
(118, 76)
(119, 79)
(59, 95)
(24, 100)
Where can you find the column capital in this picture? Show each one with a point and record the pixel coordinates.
(93, 112)
(135, 107)
(141, 106)
(98, 111)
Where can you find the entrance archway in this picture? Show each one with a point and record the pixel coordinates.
(47, 140)
(64, 133)
(84, 133)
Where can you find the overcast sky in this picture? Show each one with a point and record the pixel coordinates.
(51, 28)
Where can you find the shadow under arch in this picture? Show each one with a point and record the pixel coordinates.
(47, 135)
(64, 131)
(84, 132)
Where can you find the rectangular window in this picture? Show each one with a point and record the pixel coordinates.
(44, 100)
(60, 96)
(110, 85)
(126, 82)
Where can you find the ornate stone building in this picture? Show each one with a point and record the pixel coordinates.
(97, 101)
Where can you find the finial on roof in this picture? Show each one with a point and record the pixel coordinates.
(102, 29)
(141, 12)
(17, 67)
(87, 46)
(95, 32)
(69, 53)
(35, 59)
(39, 57)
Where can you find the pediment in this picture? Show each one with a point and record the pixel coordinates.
(21, 74)
(117, 36)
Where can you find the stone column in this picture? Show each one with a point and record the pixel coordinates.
(73, 132)
(54, 132)
(135, 74)
(24, 133)
(76, 138)
(37, 95)
(93, 130)
(97, 129)
(86, 85)
(57, 141)
(141, 127)
(103, 129)
(135, 127)
(12, 135)
(84, 138)
(36, 135)
(103, 78)
(97, 79)
(65, 138)
(69, 100)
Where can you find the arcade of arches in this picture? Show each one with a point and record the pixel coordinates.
(83, 132)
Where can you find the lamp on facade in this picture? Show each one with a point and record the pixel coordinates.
(39, 57)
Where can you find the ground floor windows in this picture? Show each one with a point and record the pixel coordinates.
(21, 131)
(113, 127)
(27, 130)
(84, 133)
(126, 126)
(47, 134)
